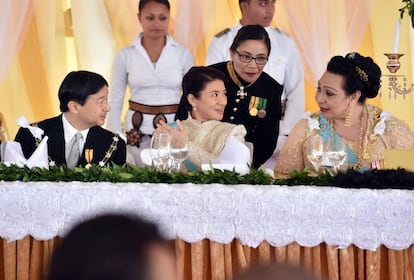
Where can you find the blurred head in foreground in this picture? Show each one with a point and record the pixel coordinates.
(113, 246)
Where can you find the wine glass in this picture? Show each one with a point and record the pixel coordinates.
(160, 150)
(178, 150)
(336, 153)
(316, 151)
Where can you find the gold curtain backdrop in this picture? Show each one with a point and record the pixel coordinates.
(64, 35)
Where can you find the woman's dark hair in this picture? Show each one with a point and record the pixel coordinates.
(194, 81)
(108, 247)
(359, 72)
(142, 4)
(251, 32)
(77, 86)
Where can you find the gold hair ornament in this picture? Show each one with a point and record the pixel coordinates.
(361, 74)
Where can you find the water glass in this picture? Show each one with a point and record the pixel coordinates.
(178, 150)
(336, 153)
(160, 150)
(316, 151)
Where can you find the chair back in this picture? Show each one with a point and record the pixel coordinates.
(396, 158)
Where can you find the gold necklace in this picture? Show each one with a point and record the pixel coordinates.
(359, 153)
(364, 151)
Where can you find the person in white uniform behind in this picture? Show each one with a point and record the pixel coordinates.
(284, 64)
(152, 67)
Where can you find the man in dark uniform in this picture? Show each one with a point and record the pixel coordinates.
(83, 98)
(253, 97)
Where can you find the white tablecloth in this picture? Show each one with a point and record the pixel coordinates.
(277, 214)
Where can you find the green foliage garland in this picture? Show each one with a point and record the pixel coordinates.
(130, 173)
(409, 7)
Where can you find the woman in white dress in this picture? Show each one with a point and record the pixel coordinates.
(152, 67)
(199, 116)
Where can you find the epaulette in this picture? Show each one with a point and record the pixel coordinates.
(222, 33)
(278, 30)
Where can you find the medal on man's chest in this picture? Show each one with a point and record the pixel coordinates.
(88, 158)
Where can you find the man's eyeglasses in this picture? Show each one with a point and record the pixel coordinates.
(245, 58)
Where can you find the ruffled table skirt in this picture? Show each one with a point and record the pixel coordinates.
(218, 230)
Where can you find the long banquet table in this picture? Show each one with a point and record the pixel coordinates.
(218, 230)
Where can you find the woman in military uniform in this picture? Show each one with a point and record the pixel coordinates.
(253, 97)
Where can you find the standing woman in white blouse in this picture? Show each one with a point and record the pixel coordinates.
(152, 67)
